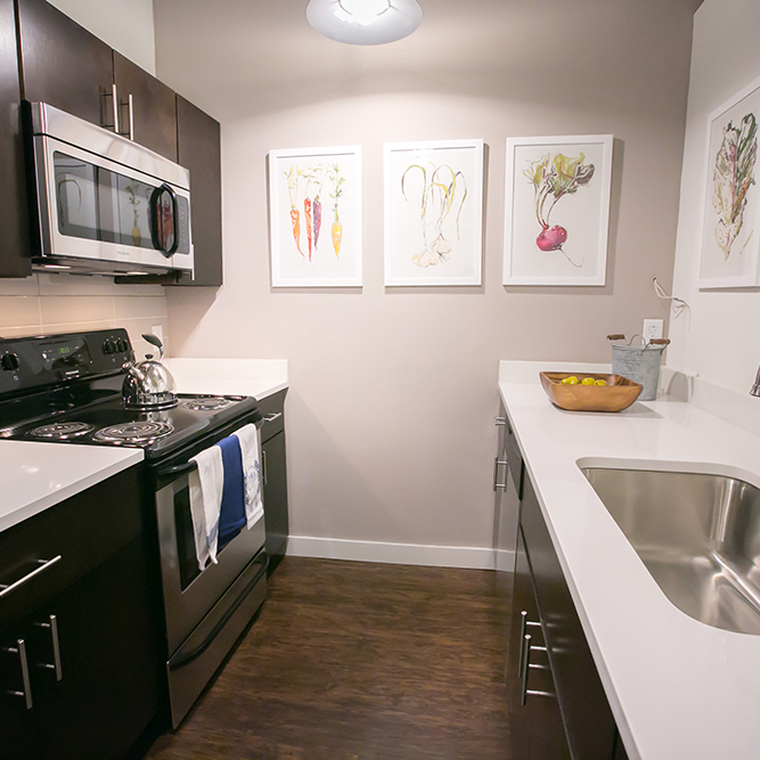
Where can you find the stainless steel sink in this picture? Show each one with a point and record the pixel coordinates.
(697, 534)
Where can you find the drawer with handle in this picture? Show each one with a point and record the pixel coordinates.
(45, 554)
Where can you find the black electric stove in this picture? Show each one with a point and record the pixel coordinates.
(67, 388)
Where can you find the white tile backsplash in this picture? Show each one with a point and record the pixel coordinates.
(57, 303)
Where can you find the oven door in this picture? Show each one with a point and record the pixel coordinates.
(189, 594)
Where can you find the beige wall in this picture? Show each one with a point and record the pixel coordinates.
(55, 303)
(394, 390)
(719, 338)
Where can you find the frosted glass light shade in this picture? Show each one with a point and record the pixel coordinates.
(364, 22)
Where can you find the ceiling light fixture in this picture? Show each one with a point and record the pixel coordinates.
(364, 22)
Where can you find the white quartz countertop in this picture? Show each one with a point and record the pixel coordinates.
(36, 476)
(246, 377)
(679, 689)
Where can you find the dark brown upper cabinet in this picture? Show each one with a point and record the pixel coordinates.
(63, 64)
(14, 215)
(148, 104)
(199, 144)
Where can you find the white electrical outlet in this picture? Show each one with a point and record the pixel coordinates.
(652, 329)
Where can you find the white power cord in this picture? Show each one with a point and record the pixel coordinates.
(677, 304)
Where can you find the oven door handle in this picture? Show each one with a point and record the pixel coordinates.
(263, 560)
(176, 469)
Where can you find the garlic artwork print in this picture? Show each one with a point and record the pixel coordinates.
(730, 234)
(557, 210)
(434, 213)
(315, 217)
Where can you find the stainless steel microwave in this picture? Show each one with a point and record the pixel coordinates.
(105, 204)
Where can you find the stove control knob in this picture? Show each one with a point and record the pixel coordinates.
(122, 345)
(9, 362)
(109, 346)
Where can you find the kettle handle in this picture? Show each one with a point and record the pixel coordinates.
(156, 341)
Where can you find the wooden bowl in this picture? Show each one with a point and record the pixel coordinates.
(618, 394)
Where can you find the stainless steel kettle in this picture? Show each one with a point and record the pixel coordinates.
(148, 384)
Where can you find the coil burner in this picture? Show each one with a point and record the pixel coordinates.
(207, 403)
(61, 431)
(142, 431)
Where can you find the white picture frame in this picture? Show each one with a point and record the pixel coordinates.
(316, 193)
(557, 207)
(434, 213)
(730, 230)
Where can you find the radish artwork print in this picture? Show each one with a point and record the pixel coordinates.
(553, 178)
(308, 190)
(556, 209)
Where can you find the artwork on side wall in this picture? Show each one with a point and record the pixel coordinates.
(731, 224)
(315, 217)
(434, 213)
(557, 204)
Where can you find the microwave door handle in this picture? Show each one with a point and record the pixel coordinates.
(156, 229)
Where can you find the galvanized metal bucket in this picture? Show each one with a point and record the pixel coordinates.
(640, 364)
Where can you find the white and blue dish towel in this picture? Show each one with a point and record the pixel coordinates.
(211, 496)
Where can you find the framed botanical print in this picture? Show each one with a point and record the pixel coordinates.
(731, 223)
(315, 217)
(557, 201)
(434, 213)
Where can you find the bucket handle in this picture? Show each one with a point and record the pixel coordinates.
(655, 342)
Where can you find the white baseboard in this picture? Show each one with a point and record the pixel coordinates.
(471, 557)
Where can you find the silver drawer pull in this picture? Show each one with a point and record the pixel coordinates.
(44, 565)
(20, 650)
(524, 623)
(53, 626)
(272, 417)
(499, 421)
(525, 669)
(496, 486)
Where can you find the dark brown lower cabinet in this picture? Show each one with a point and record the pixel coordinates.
(80, 673)
(558, 707)
(536, 724)
(274, 477)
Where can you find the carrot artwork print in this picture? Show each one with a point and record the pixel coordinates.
(336, 231)
(295, 216)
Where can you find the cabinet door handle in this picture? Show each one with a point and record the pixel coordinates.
(272, 417)
(52, 625)
(114, 123)
(499, 421)
(496, 463)
(131, 110)
(115, 98)
(264, 465)
(20, 650)
(44, 565)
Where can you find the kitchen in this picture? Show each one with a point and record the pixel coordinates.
(402, 381)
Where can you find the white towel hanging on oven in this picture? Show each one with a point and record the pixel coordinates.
(206, 484)
(250, 451)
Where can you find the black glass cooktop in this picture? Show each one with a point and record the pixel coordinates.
(107, 422)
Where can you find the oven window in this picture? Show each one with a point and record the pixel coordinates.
(188, 562)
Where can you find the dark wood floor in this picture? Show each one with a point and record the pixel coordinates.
(361, 661)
